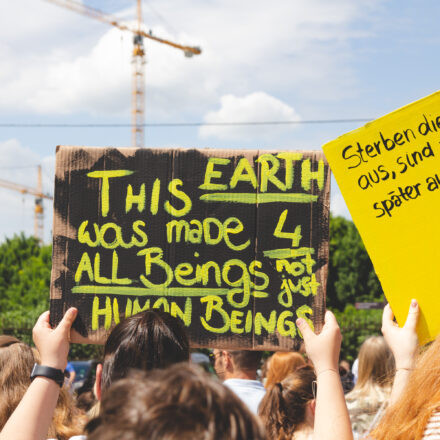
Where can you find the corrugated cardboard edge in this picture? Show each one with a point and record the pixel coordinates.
(64, 153)
(319, 302)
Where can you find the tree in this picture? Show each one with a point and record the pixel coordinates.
(24, 281)
(352, 279)
(351, 274)
(25, 269)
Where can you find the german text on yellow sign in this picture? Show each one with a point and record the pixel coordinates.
(389, 174)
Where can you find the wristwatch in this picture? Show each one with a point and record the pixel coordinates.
(49, 372)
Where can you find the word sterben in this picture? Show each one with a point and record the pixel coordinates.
(358, 154)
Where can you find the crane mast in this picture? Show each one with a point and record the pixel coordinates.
(138, 89)
(138, 59)
(39, 196)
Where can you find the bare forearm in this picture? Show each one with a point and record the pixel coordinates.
(401, 379)
(332, 421)
(32, 417)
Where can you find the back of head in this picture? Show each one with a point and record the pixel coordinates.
(376, 364)
(145, 341)
(281, 364)
(16, 362)
(179, 403)
(246, 360)
(283, 408)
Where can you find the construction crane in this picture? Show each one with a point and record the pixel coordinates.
(39, 196)
(138, 59)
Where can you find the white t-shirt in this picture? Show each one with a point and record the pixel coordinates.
(432, 430)
(249, 391)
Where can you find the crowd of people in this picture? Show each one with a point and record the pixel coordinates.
(147, 388)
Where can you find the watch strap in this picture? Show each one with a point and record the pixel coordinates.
(49, 372)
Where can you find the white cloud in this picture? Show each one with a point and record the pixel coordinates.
(63, 63)
(19, 166)
(98, 82)
(258, 107)
(338, 206)
(337, 202)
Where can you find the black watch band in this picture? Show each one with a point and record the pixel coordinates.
(49, 372)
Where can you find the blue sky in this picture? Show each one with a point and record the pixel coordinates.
(282, 60)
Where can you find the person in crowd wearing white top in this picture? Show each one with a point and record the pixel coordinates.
(238, 370)
(37, 406)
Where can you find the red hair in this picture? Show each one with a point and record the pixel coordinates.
(283, 408)
(408, 417)
(281, 364)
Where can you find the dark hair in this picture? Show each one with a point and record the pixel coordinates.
(148, 340)
(246, 359)
(85, 401)
(283, 407)
(179, 403)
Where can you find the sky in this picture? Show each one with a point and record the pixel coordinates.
(285, 60)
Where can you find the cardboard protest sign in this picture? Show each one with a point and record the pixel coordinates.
(389, 174)
(235, 243)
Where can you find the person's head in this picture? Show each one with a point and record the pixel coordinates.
(407, 418)
(281, 364)
(344, 367)
(376, 365)
(179, 403)
(145, 341)
(85, 401)
(7, 340)
(289, 405)
(16, 362)
(242, 364)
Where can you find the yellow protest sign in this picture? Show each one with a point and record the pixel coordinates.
(389, 174)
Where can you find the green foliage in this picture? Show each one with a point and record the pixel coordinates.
(86, 351)
(25, 268)
(356, 326)
(24, 281)
(351, 274)
(352, 279)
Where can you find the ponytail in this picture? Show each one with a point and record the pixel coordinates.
(283, 407)
(273, 412)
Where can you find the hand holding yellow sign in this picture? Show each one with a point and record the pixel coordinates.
(389, 174)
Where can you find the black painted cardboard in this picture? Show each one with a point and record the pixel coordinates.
(78, 197)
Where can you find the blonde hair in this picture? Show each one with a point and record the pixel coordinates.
(16, 362)
(281, 364)
(376, 366)
(408, 417)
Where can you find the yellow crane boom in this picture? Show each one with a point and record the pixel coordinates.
(138, 99)
(109, 19)
(39, 196)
